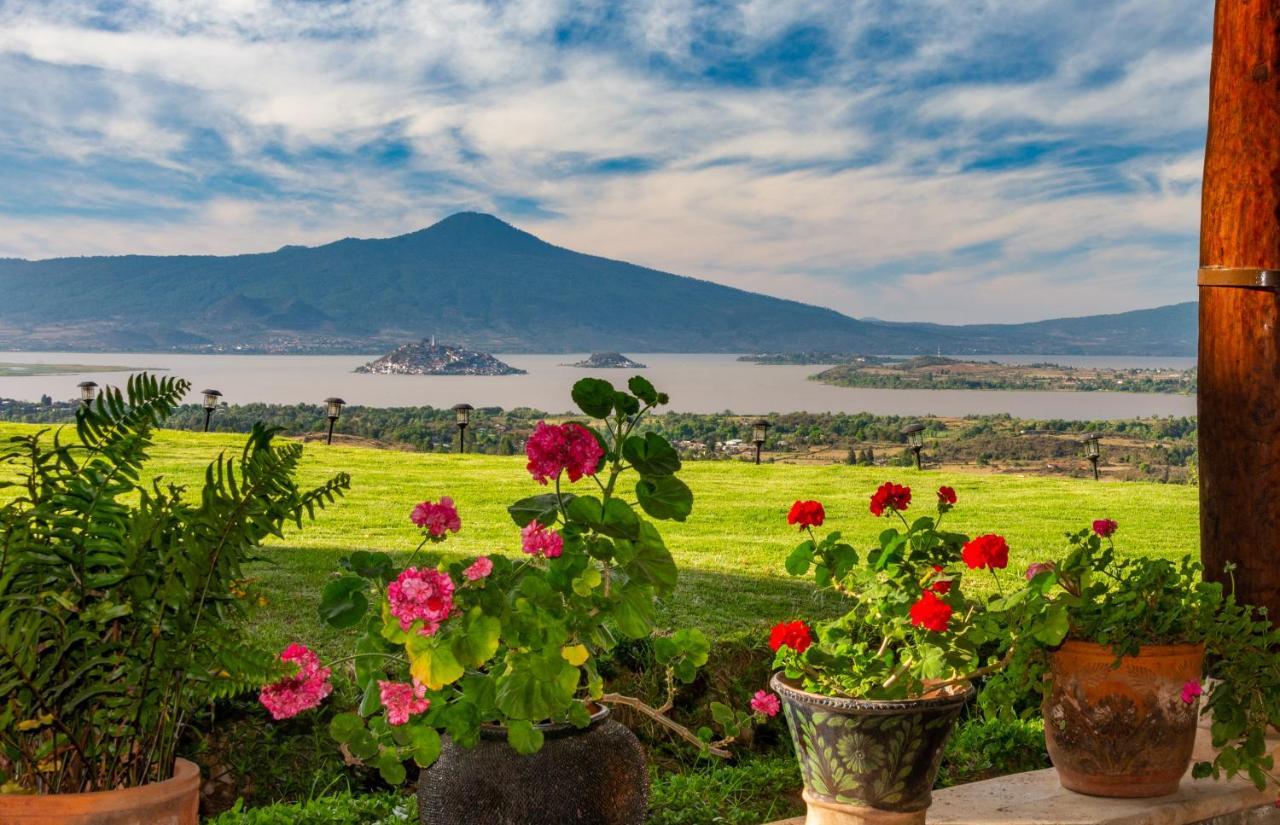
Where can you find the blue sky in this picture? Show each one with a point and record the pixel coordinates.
(946, 160)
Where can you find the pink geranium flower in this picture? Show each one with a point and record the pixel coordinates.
(403, 700)
(553, 449)
(437, 518)
(303, 691)
(479, 569)
(1105, 527)
(1191, 691)
(421, 595)
(537, 540)
(765, 703)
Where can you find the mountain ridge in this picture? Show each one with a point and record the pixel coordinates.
(477, 280)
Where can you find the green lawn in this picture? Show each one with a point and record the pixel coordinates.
(730, 551)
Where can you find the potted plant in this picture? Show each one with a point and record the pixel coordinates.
(118, 607)
(484, 671)
(871, 696)
(1121, 694)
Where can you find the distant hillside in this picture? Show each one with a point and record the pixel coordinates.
(472, 279)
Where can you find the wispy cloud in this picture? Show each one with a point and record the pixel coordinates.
(977, 161)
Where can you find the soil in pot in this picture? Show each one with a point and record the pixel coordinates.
(175, 801)
(591, 776)
(866, 760)
(1121, 731)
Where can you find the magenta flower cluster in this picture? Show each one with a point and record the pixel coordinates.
(403, 700)
(765, 703)
(437, 518)
(537, 540)
(303, 691)
(553, 449)
(421, 595)
(478, 569)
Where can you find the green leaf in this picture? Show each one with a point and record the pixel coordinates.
(619, 520)
(594, 397)
(541, 508)
(633, 612)
(536, 685)
(722, 714)
(625, 404)
(390, 768)
(694, 644)
(665, 497)
(642, 389)
(343, 602)
(651, 455)
(431, 663)
(363, 745)
(589, 580)
(425, 741)
(524, 737)
(479, 638)
(370, 565)
(585, 510)
(798, 562)
(344, 727)
(1052, 629)
(648, 560)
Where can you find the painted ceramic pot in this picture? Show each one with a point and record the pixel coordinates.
(174, 801)
(1121, 728)
(866, 760)
(596, 775)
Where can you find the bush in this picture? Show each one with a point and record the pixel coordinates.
(984, 749)
(747, 793)
(389, 808)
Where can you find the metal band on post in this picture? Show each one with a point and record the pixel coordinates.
(1245, 277)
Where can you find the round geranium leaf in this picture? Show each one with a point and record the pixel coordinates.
(343, 602)
(594, 397)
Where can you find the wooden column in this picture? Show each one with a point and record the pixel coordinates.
(1239, 398)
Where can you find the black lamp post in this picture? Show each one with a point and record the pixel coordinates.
(210, 404)
(462, 412)
(88, 392)
(915, 439)
(333, 409)
(1092, 451)
(759, 429)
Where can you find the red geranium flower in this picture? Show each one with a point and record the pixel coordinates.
(946, 495)
(1105, 528)
(807, 514)
(931, 613)
(794, 635)
(890, 496)
(989, 551)
(943, 587)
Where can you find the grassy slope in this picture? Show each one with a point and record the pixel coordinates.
(730, 551)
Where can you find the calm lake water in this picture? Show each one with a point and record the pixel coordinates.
(696, 383)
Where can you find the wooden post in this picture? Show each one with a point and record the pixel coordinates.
(1239, 381)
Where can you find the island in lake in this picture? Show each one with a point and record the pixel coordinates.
(8, 370)
(608, 361)
(428, 358)
(937, 373)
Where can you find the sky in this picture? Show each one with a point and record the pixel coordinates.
(957, 161)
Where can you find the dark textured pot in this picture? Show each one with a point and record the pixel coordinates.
(1121, 731)
(175, 801)
(591, 776)
(866, 760)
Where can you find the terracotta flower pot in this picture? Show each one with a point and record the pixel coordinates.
(594, 776)
(1121, 731)
(869, 761)
(174, 801)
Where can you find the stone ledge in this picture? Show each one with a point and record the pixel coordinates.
(1036, 798)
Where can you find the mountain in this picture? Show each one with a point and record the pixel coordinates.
(474, 280)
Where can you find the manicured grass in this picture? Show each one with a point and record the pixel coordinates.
(730, 551)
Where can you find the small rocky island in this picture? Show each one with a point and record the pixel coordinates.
(608, 361)
(428, 358)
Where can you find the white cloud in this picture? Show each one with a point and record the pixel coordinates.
(211, 126)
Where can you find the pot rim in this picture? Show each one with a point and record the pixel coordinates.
(185, 773)
(954, 695)
(551, 730)
(1175, 651)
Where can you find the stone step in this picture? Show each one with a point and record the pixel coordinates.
(1037, 798)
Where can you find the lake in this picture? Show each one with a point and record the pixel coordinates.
(696, 383)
